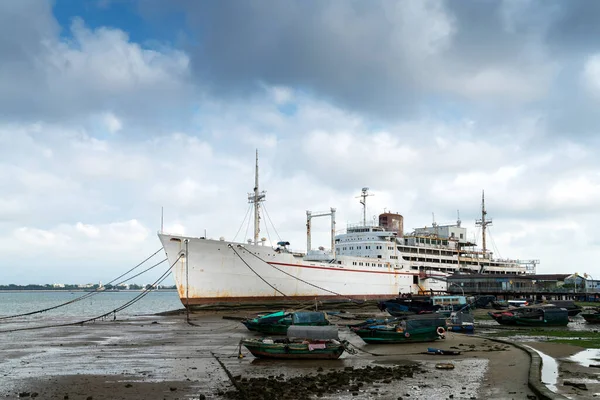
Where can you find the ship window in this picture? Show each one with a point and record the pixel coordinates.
(379, 256)
(175, 240)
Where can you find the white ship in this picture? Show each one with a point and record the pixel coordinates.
(366, 262)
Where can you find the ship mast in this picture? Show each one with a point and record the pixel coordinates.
(363, 201)
(483, 222)
(256, 198)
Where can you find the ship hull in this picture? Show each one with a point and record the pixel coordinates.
(215, 271)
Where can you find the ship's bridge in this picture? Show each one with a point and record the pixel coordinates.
(362, 232)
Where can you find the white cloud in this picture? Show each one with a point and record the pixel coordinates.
(113, 124)
(591, 74)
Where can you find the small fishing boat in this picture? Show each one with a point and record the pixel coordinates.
(442, 352)
(461, 321)
(550, 316)
(408, 305)
(591, 316)
(415, 328)
(279, 322)
(302, 342)
(546, 315)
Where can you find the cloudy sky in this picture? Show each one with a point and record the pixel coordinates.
(112, 109)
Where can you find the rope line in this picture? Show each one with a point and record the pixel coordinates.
(93, 293)
(113, 312)
(256, 273)
(272, 224)
(242, 224)
(295, 277)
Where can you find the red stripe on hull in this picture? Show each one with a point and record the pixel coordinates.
(352, 270)
(192, 301)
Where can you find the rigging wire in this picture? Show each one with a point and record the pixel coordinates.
(268, 234)
(247, 227)
(295, 277)
(242, 224)
(256, 273)
(494, 244)
(113, 312)
(272, 224)
(92, 293)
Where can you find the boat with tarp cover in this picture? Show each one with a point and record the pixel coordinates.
(278, 323)
(415, 328)
(302, 342)
(533, 316)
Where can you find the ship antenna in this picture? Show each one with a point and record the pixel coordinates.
(162, 219)
(363, 201)
(256, 198)
(483, 222)
(458, 221)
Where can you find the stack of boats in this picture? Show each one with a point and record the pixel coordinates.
(310, 335)
(556, 313)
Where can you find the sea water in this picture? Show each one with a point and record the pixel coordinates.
(87, 304)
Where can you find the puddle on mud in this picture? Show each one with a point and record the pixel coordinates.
(549, 370)
(586, 357)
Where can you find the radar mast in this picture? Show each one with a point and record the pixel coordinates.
(256, 198)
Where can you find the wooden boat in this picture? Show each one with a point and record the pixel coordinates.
(591, 316)
(503, 317)
(572, 308)
(279, 322)
(302, 342)
(442, 352)
(402, 306)
(546, 315)
(536, 315)
(416, 328)
(550, 316)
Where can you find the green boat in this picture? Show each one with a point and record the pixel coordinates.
(416, 328)
(279, 322)
(591, 317)
(548, 316)
(302, 342)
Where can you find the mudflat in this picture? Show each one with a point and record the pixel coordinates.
(165, 357)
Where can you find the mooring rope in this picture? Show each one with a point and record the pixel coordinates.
(113, 312)
(96, 291)
(256, 273)
(299, 279)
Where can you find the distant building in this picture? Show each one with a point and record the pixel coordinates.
(58, 285)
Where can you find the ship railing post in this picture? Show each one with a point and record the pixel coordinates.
(308, 244)
(187, 281)
(333, 232)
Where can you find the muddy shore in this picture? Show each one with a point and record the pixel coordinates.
(164, 357)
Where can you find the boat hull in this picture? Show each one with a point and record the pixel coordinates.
(293, 351)
(216, 272)
(591, 318)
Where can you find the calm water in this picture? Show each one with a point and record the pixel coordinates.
(12, 303)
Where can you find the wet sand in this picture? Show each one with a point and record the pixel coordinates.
(163, 357)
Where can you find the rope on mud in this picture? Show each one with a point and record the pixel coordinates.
(113, 312)
(359, 349)
(301, 280)
(239, 388)
(92, 293)
(257, 274)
